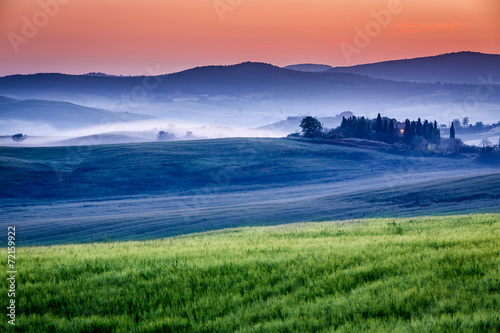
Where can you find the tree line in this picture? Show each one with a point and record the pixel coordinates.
(379, 129)
(414, 135)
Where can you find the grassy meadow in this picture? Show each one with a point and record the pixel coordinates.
(426, 274)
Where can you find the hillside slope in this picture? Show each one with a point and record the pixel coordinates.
(17, 115)
(151, 190)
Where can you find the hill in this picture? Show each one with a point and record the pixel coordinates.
(245, 79)
(460, 67)
(43, 116)
(151, 190)
(251, 95)
(438, 274)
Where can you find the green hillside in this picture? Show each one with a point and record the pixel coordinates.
(429, 274)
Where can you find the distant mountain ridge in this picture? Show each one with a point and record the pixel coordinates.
(252, 95)
(459, 67)
(245, 79)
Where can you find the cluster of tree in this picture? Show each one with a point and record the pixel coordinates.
(164, 136)
(464, 126)
(380, 129)
(427, 130)
(19, 137)
(415, 134)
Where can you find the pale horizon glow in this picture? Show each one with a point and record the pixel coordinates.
(127, 37)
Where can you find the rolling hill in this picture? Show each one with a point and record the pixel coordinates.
(151, 190)
(32, 115)
(251, 95)
(253, 80)
(460, 67)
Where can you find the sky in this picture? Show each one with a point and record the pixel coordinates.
(147, 37)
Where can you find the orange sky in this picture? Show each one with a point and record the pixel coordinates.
(126, 37)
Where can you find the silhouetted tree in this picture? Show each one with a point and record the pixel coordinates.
(164, 136)
(311, 127)
(419, 129)
(452, 131)
(392, 132)
(19, 137)
(408, 134)
(343, 124)
(386, 127)
(413, 129)
(436, 134)
(427, 130)
(465, 121)
(361, 128)
(379, 124)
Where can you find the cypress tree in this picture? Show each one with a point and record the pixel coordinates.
(407, 134)
(419, 129)
(426, 130)
(437, 133)
(344, 123)
(386, 127)
(392, 133)
(413, 129)
(379, 124)
(452, 131)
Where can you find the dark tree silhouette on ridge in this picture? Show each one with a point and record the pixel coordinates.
(311, 127)
(378, 128)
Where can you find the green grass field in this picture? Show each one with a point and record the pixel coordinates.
(427, 274)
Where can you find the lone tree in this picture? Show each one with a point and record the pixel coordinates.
(465, 121)
(19, 137)
(311, 127)
(452, 131)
